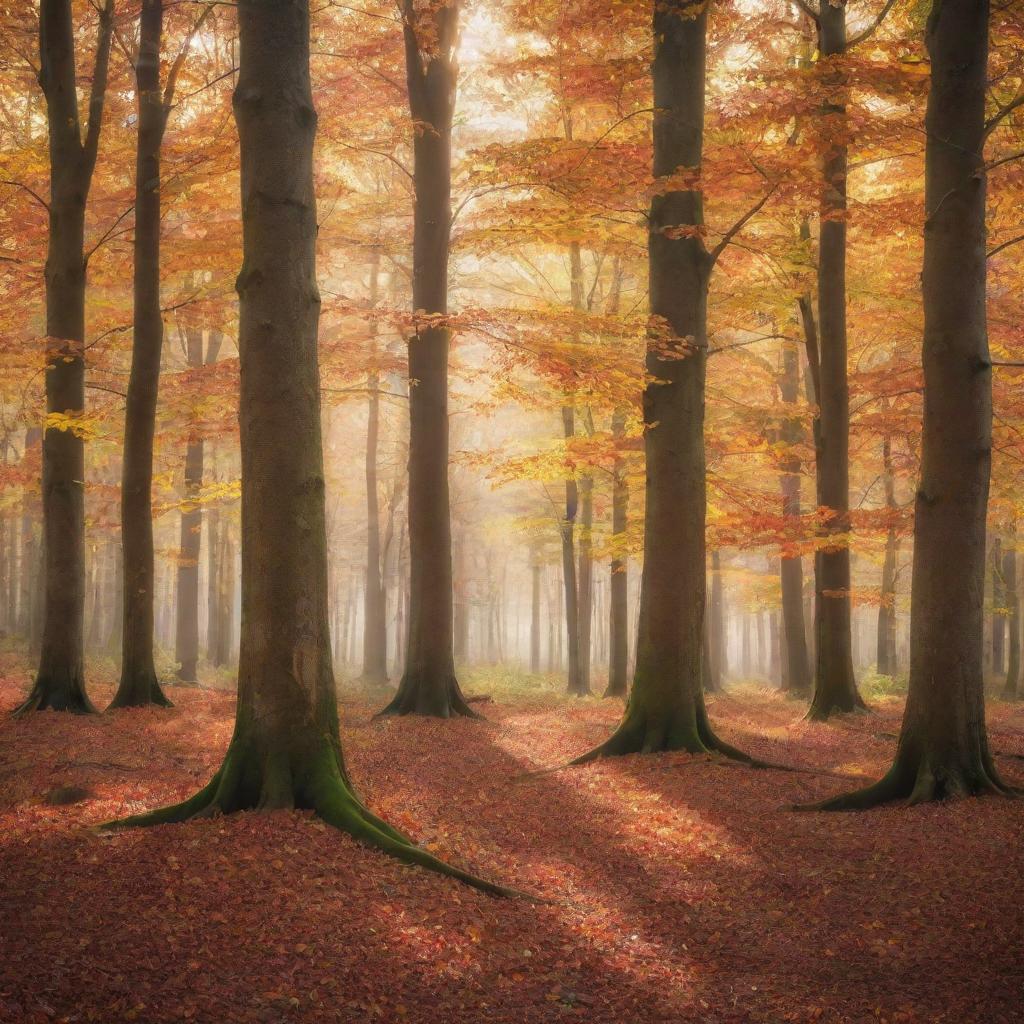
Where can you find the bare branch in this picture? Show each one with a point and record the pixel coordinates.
(872, 27)
(98, 91)
(35, 195)
(1003, 245)
(741, 224)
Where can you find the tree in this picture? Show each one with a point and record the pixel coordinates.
(797, 679)
(286, 750)
(60, 680)
(1012, 681)
(942, 749)
(666, 708)
(186, 631)
(429, 685)
(375, 629)
(139, 685)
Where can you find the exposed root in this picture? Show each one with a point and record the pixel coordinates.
(917, 784)
(321, 786)
(683, 729)
(49, 696)
(420, 694)
(140, 693)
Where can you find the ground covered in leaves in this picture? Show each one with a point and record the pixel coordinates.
(678, 889)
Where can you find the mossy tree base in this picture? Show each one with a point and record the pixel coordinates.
(918, 780)
(835, 700)
(248, 780)
(685, 728)
(141, 691)
(57, 695)
(436, 696)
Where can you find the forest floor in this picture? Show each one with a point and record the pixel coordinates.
(680, 889)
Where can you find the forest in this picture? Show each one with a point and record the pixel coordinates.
(509, 511)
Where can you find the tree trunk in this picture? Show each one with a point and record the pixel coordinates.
(429, 685)
(286, 750)
(569, 583)
(535, 616)
(797, 679)
(138, 686)
(462, 605)
(60, 681)
(1012, 682)
(375, 627)
(835, 688)
(213, 585)
(998, 609)
(885, 657)
(186, 645)
(586, 580)
(666, 708)
(719, 653)
(943, 746)
(29, 617)
(618, 602)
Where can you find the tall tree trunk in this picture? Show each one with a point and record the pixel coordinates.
(998, 608)
(942, 749)
(797, 679)
(586, 581)
(286, 750)
(29, 608)
(618, 602)
(138, 685)
(213, 584)
(60, 681)
(885, 656)
(186, 645)
(835, 688)
(719, 653)
(535, 615)
(1012, 681)
(462, 605)
(567, 529)
(375, 626)
(429, 685)
(666, 708)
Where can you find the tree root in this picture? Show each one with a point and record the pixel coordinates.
(48, 697)
(684, 730)
(323, 787)
(421, 695)
(918, 783)
(140, 694)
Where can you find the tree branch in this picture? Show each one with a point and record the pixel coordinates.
(741, 224)
(35, 195)
(993, 122)
(872, 27)
(98, 91)
(179, 61)
(1003, 245)
(808, 10)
